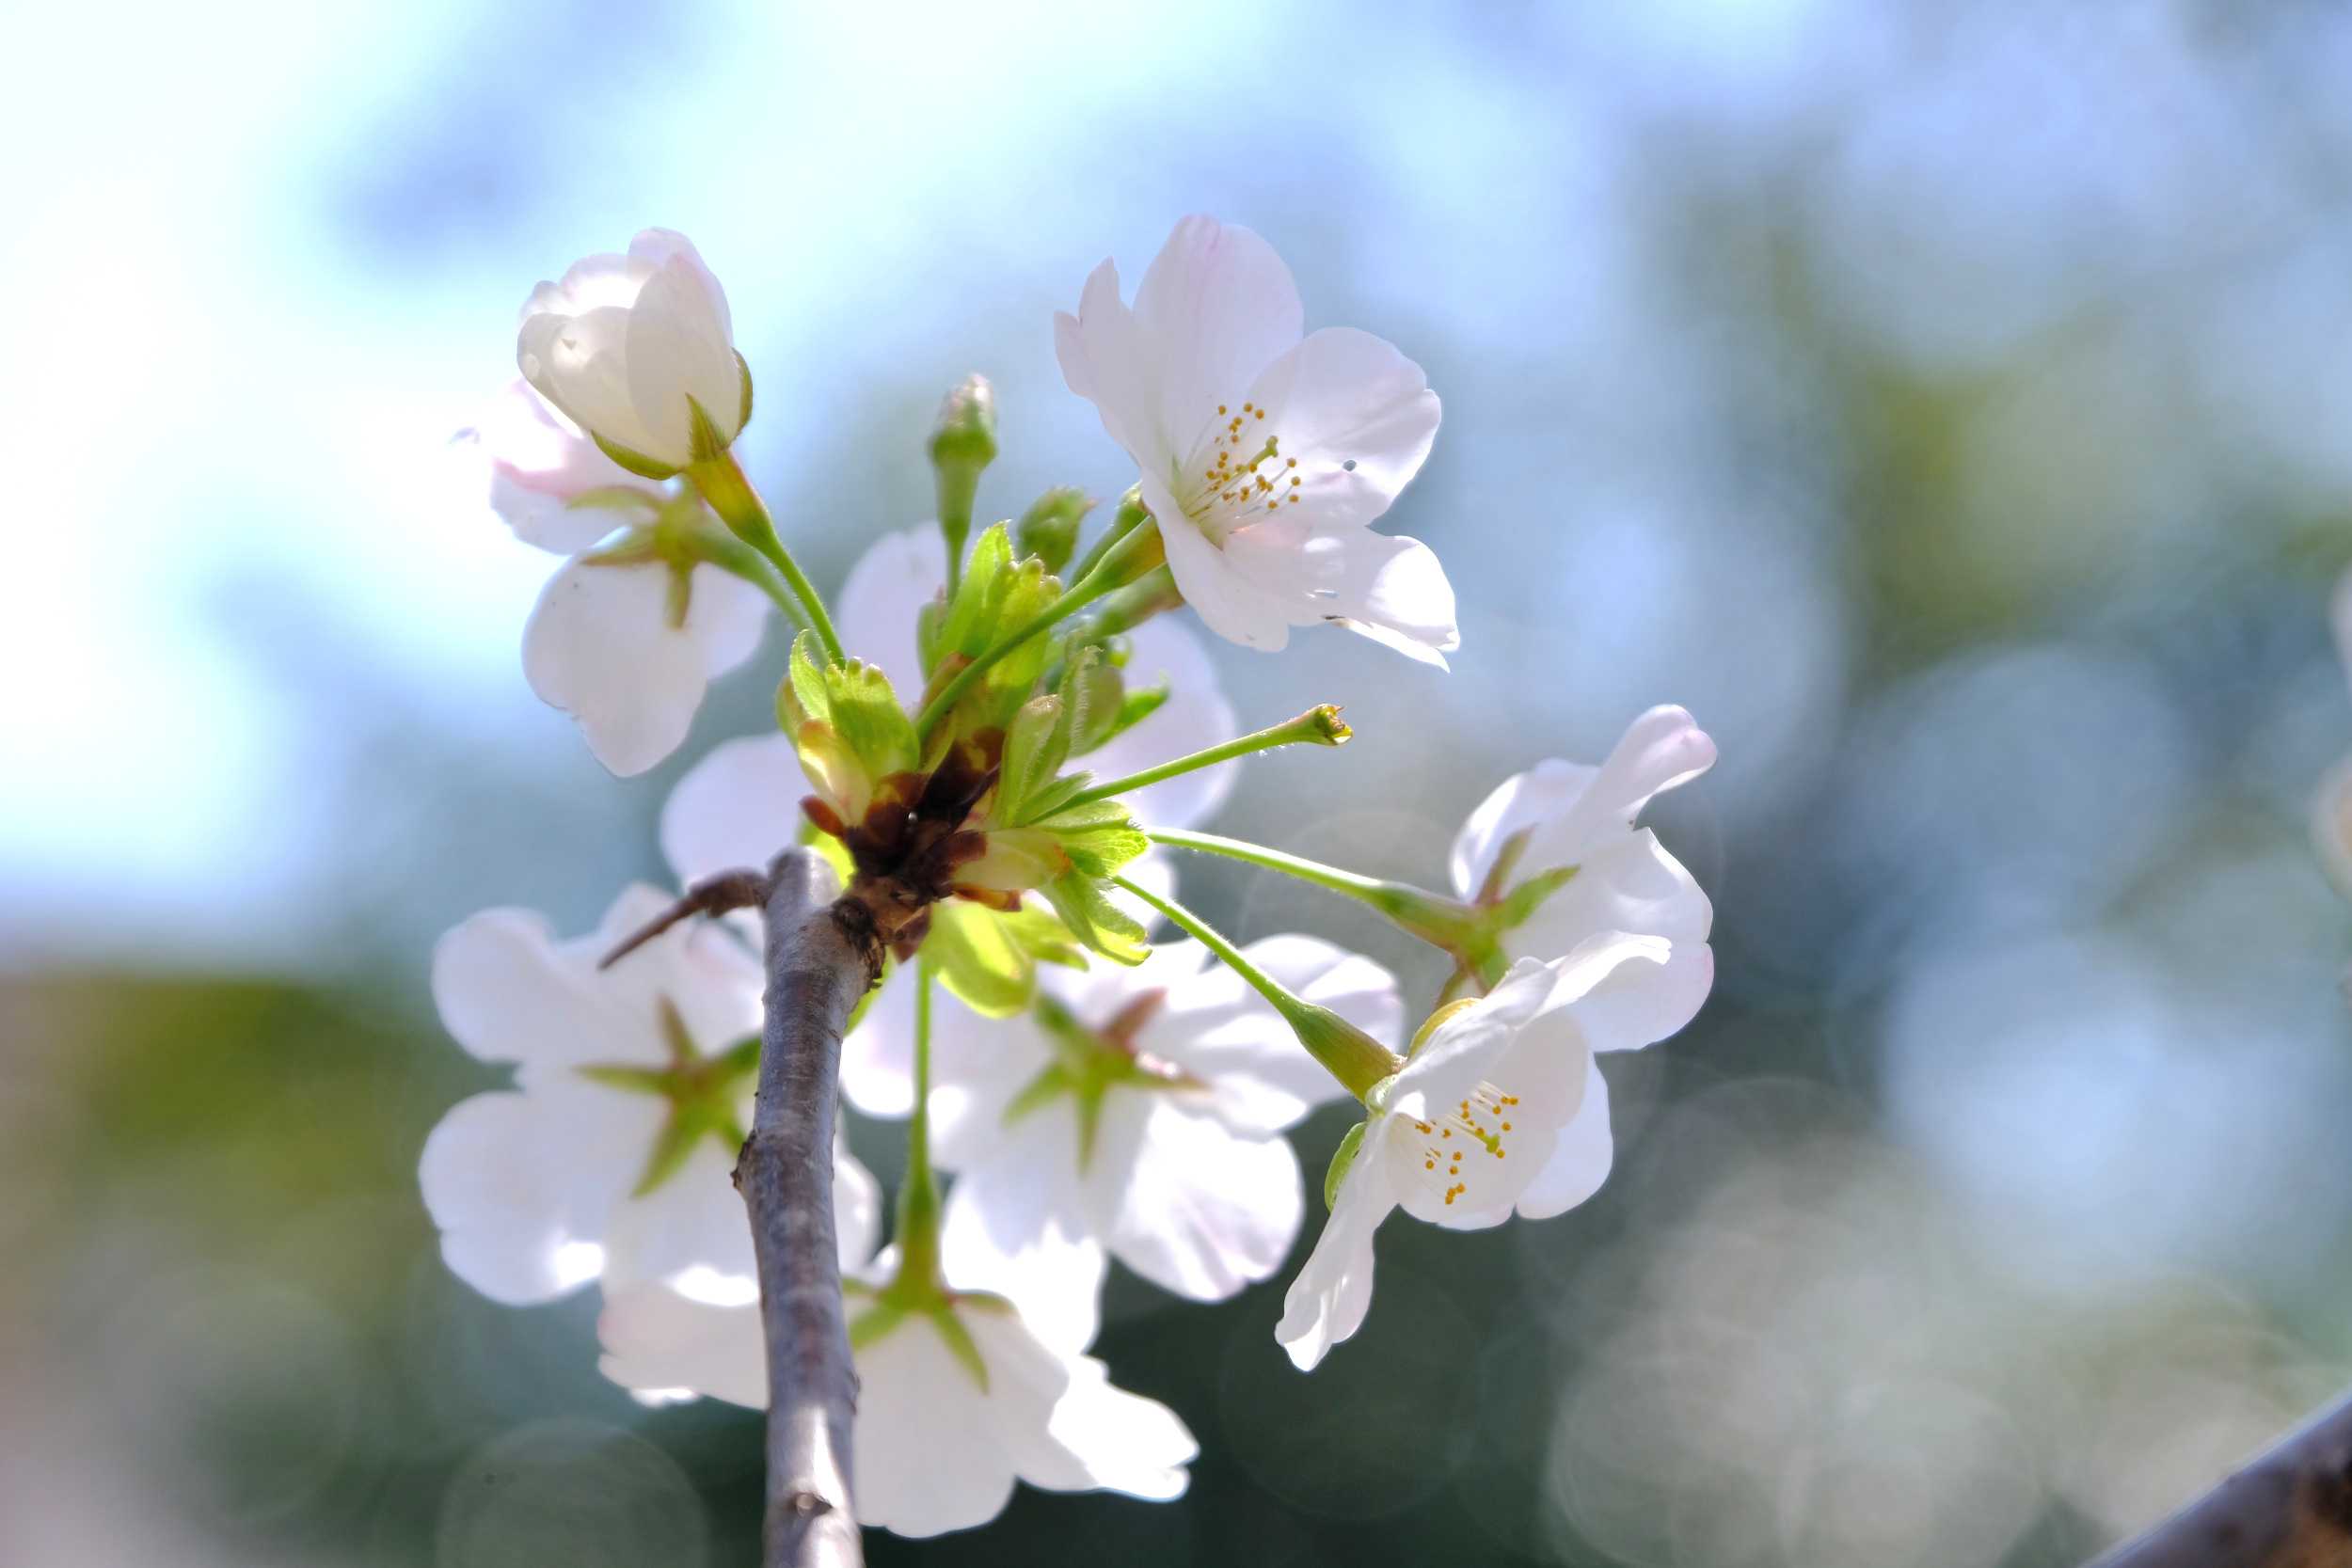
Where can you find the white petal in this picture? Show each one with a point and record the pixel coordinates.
(1639, 1002)
(724, 615)
(930, 1454)
(693, 1224)
(523, 1186)
(1580, 1161)
(1389, 589)
(677, 349)
(1205, 1211)
(508, 992)
(538, 462)
(2339, 617)
(600, 647)
(1194, 718)
(898, 575)
(1358, 417)
(736, 807)
(1326, 1303)
(1629, 884)
(1214, 1025)
(1471, 1044)
(578, 360)
(856, 1209)
(978, 1066)
(655, 248)
(657, 1340)
(1216, 307)
(1066, 1428)
(878, 1057)
(1013, 1227)
(1660, 749)
(1544, 791)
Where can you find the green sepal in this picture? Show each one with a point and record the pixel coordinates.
(1098, 836)
(1035, 744)
(1043, 937)
(959, 1344)
(1052, 1082)
(1106, 712)
(874, 1322)
(616, 498)
(744, 365)
(1524, 899)
(804, 684)
(635, 462)
(1094, 920)
(702, 432)
(1049, 530)
(865, 713)
(1342, 1158)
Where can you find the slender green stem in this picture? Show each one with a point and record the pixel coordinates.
(1129, 517)
(723, 485)
(1443, 923)
(1114, 570)
(732, 556)
(1349, 1055)
(1317, 727)
(919, 1195)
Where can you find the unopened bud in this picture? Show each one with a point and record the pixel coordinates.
(1049, 530)
(965, 431)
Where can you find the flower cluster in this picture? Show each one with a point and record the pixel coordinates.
(1000, 743)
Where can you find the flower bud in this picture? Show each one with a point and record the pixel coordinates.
(964, 441)
(1049, 530)
(638, 351)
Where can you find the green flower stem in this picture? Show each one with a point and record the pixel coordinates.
(1317, 727)
(723, 485)
(734, 557)
(1443, 923)
(1134, 556)
(1354, 1058)
(919, 1195)
(1147, 596)
(1130, 516)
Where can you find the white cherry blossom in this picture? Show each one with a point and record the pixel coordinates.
(1265, 452)
(610, 1158)
(600, 644)
(622, 343)
(1571, 826)
(941, 1434)
(1135, 1114)
(1501, 1109)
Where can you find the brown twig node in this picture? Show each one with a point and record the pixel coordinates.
(724, 894)
(2292, 1508)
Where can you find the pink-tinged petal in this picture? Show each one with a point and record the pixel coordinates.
(929, 1450)
(659, 1344)
(677, 349)
(1194, 718)
(1204, 1210)
(1228, 602)
(1631, 884)
(654, 249)
(600, 646)
(1105, 361)
(1579, 1161)
(1326, 1303)
(1216, 306)
(736, 807)
(579, 363)
(1660, 750)
(522, 1187)
(538, 462)
(898, 575)
(1522, 802)
(1355, 420)
(1013, 1227)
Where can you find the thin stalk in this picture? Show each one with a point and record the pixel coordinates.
(1446, 923)
(1317, 727)
(1354, 1058)
(1130, 516)
(737, 559)
(919, 1195)
(723, 485)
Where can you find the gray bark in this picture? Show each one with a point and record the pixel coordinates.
(2292, 1508)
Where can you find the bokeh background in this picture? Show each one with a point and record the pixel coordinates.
(1951, 403)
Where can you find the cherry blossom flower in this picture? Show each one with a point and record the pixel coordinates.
(1135, 1114)
(608, 641)
(1554, 850)
(610, 1158)
(1499, 1109)
(955, 1401)
(1265, 452)
(626, 346)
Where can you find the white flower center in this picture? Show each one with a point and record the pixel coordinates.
(1453, 1151)
(1239, 477)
